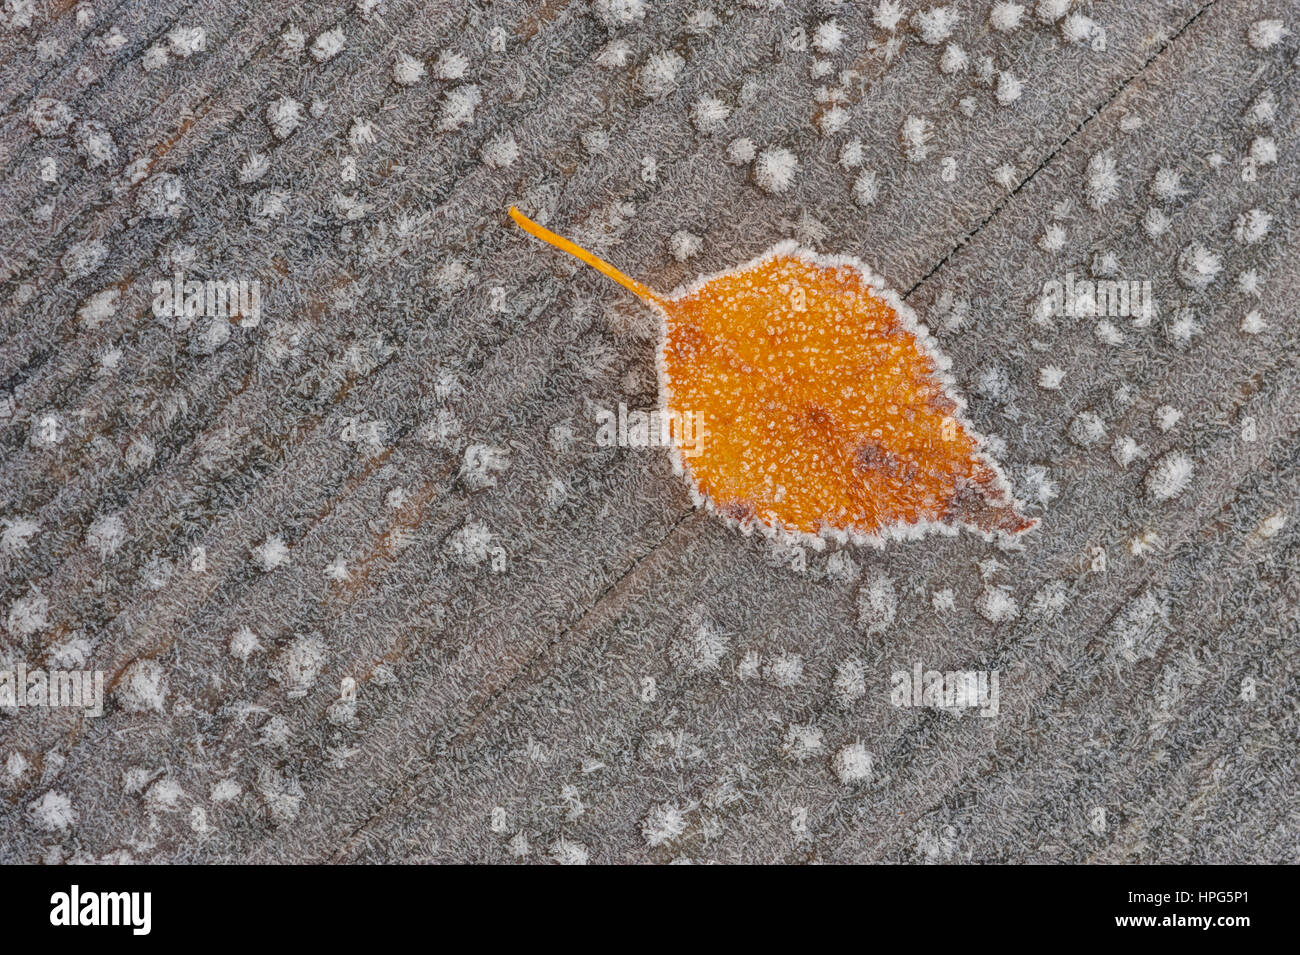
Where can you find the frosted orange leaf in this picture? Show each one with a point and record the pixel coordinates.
(824, 406)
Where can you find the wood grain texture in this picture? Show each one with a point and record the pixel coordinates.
(521, 637)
